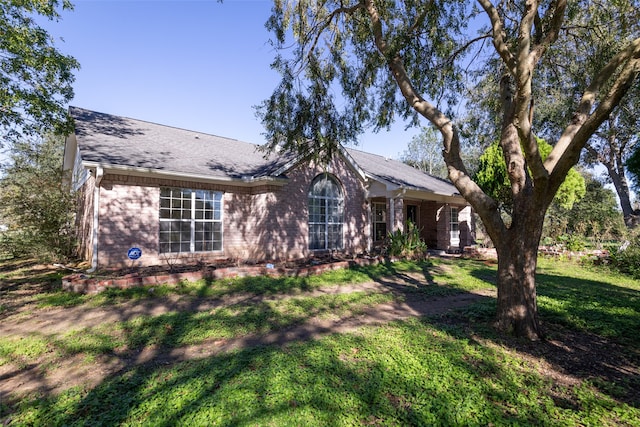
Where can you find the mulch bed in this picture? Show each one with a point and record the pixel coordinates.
(156, 275)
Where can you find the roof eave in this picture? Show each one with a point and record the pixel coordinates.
(403, 189)
(245, 181)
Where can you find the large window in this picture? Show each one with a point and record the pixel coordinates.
(190, 220)
(379, 221)
(326, 213)
(454, 227)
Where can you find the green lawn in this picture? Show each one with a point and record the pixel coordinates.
(442, 370)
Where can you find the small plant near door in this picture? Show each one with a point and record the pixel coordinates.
(407, 244)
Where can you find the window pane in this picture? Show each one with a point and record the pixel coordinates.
(380, 231)
(316, 236)
(325, 204)
(334, 237)
(182, 210)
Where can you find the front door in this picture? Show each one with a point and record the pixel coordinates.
(412, 214)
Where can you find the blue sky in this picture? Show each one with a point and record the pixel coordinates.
(199, 65)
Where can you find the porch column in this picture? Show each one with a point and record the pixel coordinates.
(467, 229)
(442, 225)
(396, 214)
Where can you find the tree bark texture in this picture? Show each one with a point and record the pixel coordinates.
(517, 310)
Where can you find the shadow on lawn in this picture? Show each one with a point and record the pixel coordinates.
(591, 330)
(295, 382)
(305, 383)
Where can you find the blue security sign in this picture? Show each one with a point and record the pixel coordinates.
(134, 253)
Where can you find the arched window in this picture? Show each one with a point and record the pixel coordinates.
(326, 213)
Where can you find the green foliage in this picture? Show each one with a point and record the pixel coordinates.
(596, 216)
(407, 244)
(449, 369)
(35, 204)
(492, 177)
(633, 166)
(35, 78)
(572, 242)
(626, 259)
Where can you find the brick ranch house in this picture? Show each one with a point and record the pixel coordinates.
(182, 196)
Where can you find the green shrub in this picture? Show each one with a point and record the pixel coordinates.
(407, 244)
(572, 242)
(627, 259)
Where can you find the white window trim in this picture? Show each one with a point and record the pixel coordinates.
(326, 223)
(454, 235)
(193, 220)
(385, 221)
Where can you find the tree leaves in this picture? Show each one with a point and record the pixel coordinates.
(34, 202)
(35, 78)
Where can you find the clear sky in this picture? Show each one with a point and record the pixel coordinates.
(198, 65)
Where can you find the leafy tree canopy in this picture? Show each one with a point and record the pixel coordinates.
(35, 78)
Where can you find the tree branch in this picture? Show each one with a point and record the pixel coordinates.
(484, 205)
(568, 141)
(320, 29)
(567, 151)
(554, 29)
(524, 101)
(499, 35)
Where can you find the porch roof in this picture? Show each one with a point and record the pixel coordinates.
(397, 175)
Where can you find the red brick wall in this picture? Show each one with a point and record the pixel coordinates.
(275, 225)
(269, 222)
(429, 232)
(128, 218)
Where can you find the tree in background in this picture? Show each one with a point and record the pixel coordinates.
(595, 217)
(35, 78)
(411, 60)
(633, 166)
(612, 145)
(493, 178)
(35, 204)
(424, 152)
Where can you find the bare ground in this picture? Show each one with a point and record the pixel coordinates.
(567, 359)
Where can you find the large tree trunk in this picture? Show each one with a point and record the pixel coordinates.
(517, 311)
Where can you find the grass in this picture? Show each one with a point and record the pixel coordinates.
(448, 370)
